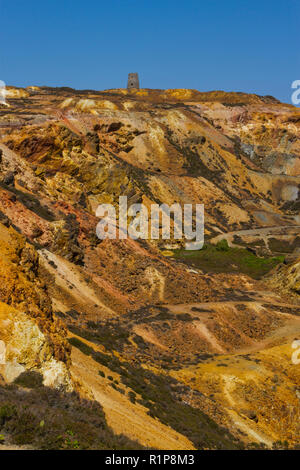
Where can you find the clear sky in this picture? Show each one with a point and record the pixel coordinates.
(232, 45)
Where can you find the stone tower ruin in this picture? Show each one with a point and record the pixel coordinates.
(133, 81)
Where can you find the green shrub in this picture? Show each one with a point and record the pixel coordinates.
(84, 348)
(7, 411)
(132, 397)
(29, 379)
(222, 245)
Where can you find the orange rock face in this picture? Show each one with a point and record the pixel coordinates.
(158, 336)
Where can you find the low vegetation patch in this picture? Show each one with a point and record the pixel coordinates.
(220, 258)
(48, 419)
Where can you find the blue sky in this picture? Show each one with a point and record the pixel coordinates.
(232, 45)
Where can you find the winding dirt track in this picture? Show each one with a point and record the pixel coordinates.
(261, 232)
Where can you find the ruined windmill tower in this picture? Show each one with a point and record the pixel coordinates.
(133, 81)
